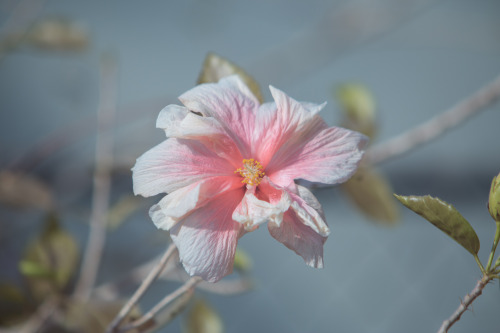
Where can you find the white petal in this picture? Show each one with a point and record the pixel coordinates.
(252, 212)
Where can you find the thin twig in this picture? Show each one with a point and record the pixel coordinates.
(111, 290)
(435, 126)
(464, 305)
(102, 181)
(153, 275)
(187, 287)
(41, 316)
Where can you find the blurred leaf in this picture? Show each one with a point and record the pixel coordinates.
(494, 198)
(14, 306)
(58, 34)
(34, 269)
(216, 67)
(372, 194)
(122, 209)
(445, 217)
(93, 316)
(54, 251)
(358, 105)
(242, 260)
(203, 319)
(23, 191)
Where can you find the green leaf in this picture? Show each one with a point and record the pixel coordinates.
(34, 269)
(372, 194)
(242, 260)
(359, 107)
(50, 260)
(216, 67)
(203, 319)
(445, 217)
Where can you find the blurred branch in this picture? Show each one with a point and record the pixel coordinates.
(153, 275)
(41, 316)
(147, 319)
(102, 181)
(112, 290)
(464, 305)
(436, 126)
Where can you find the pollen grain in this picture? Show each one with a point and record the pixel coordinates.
(251, 172)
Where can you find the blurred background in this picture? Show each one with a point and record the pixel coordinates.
(417, 57)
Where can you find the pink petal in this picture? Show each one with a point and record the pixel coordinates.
(231, 103)
(299, 238)
(261, 204)
(176, 205)
(281, 121)
(179, 122)
(324, 155)
(176, 163)
(207, 237)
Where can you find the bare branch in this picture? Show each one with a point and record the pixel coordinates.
(153, 275)
(436, 126)
(147, 318)
(464, 305)
(102, 181)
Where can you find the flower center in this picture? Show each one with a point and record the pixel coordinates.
(251, 172)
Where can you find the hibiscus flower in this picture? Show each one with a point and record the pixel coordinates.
(230, 164)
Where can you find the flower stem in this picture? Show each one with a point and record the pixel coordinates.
(493, 248)
(481, 267)
(153, 274)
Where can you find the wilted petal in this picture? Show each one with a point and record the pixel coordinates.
(176, 205)
(176, 163)
(300, 238)
(207, 237)
(231, 103)
(261, 204)
(309, 211)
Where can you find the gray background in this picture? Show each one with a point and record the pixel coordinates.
(418, 57)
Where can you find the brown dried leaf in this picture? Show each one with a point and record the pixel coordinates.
(372, 194)
(216, 67)
(24, 191)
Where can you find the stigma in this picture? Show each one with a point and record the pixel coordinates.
(251, 172)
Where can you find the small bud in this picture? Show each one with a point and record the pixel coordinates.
(358, 104)
(494, 200)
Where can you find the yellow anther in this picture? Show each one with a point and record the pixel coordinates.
(251, 172)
